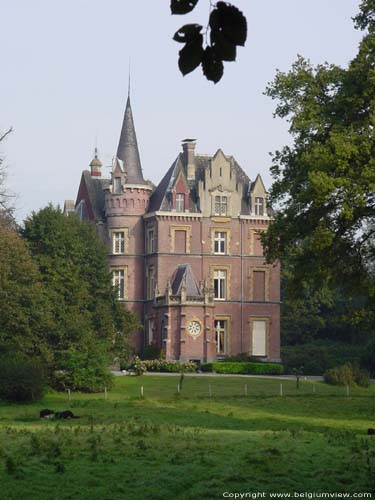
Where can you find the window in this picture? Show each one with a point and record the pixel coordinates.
(150, 331)
(150, 282)
(220, 242)
(150, 241)
(220, 335)
(221, 204)
(118, 241)
(220, 284)
(180, 202)
(118, 282)
(259, 338)
(117, 185)
(259, 206)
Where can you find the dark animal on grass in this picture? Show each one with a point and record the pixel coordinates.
(46, 413)
(371, 432)
(65, 414)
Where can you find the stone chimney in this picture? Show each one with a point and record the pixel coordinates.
(188, 148)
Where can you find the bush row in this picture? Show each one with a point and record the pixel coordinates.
(161, 365)
(243, 368)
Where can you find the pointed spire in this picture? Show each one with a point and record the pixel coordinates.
(127, 150)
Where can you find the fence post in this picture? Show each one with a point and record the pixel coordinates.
(281, 388)
(209, 390)
(69, 397)
(314, 389)
(178, 388)
(245, 389)
(347, 390)
(105, 393)
(141, 391)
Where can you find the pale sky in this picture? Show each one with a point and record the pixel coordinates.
(64, 74)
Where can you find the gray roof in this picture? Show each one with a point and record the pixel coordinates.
(184, 275)
(95, 186)
(127, 150)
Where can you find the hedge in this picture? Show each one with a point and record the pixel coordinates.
(243, 368)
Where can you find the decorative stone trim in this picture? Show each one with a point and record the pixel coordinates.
(267, 319)
(266, 270)
(114, 230)
(214, 268)
(221, 230)
(173, 230)
(252, 233)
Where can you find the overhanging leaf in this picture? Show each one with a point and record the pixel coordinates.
(187, 33)
(212, 65)
(182, 6)
(222, 47)
(190, 56)
(230, 21)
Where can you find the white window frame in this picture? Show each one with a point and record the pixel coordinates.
(259, 206)
(151, 282)
(118, 282)
(220, 284)
(180, 202)
(220, 242)
(118, 242)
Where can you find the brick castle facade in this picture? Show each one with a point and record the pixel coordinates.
(186, 256)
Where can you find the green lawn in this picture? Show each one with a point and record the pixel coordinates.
(190, 446)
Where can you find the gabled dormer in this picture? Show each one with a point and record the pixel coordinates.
(118, 177)
(258, 198)
(180, 192)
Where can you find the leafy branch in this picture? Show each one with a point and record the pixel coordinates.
(209, 47)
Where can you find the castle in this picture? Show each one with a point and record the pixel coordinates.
(186, 256)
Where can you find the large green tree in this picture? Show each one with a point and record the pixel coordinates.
(324, 182)
(89, 323)
(24, 312)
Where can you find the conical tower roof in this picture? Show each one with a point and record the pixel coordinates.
(127, 150)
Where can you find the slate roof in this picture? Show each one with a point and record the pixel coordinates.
(127, 150)
(95, 188)
(184, 274)
(160, 199)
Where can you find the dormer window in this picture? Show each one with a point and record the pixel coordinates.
(180, 202)
(221, 205)
(259, 206)
(117, 185)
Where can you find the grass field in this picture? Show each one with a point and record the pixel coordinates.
(190, 446)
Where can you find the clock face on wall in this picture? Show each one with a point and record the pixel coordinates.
(194, 328)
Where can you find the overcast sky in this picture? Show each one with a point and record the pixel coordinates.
(64, 74)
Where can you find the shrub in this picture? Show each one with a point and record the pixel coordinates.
(21, 380)
(244, 368)
(347, 374)
(83, 371)
(368, 357)
(318, 357)
(162, 365)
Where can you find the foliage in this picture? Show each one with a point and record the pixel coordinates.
(347, 374)
(90, 326)
(151, 351)
(227, 29)
(153, 447)
(324, 182)
(6, 209)
(21, 379)
(368, 357)
(162, 365)
(320, 356)
(24, 311)
(244, 368)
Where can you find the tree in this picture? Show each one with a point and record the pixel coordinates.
(89, 323)
(6, 210)
(324, 182)
(209, 47)
(24, 313)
